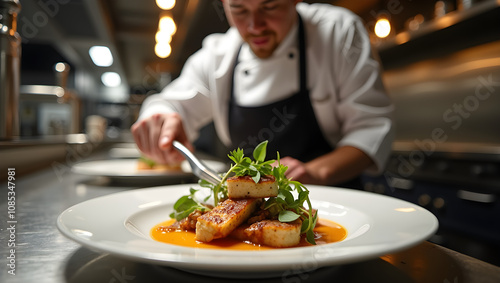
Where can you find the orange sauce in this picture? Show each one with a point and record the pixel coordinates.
(326, 231)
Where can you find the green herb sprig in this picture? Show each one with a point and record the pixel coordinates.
(244, 166)
(187, 204)
(289, 209)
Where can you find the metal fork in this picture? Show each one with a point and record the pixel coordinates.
(199, 169)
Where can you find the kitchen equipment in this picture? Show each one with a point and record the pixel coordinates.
(446, 154)
(52, 109)
(10, 53)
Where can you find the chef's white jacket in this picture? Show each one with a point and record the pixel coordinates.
(343, 77)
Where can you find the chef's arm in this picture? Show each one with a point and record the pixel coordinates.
(364, 112)
(338, 166)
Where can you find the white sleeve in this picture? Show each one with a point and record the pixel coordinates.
(364, 106)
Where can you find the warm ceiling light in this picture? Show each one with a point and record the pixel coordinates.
(163, 49)
(60, 67)
(162, 36)
(382, 28)
(111, 79)
(167, 25)
(165, 4)
(101, 56)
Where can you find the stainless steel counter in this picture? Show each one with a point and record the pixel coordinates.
(42, 254)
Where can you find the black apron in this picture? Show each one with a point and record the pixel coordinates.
(289, 125)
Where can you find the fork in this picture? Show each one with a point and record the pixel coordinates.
(199, 169)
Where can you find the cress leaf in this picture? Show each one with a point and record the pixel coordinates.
(180, 202)
(187, 204)
(310, 237)
(302, 197)
(259, 153)
(253, 169)
(183, 214)
(269, 203)
(288, 196)
(280, 199)
(305, 225)
(256, 178)
(246, 161)
(287, 216)
(315, 219)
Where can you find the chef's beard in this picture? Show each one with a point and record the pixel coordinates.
(267, 49)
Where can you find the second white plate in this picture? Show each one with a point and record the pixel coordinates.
(121, 168)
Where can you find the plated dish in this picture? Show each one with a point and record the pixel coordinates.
(128, 168)
(120, 224)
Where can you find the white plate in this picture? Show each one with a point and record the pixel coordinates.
(127, 168)
(125, 150)
(120, 224)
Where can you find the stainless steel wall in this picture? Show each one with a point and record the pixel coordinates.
(451, 101)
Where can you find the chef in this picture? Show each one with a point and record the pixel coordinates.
(301, 76)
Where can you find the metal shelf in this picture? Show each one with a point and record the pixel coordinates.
(447, 21)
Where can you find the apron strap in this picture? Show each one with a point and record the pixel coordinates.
(302, 56)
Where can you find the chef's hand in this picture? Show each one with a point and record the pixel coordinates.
(297, 170)
(338, 166)
(154, 136)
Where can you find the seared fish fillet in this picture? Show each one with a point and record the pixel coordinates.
(271, 233)
(245, 187)
(224, 218)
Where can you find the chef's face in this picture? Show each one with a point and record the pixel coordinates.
(263, 24)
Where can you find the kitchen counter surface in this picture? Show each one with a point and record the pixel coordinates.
(43, 254)
(29, 154)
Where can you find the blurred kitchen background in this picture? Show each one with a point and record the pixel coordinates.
(441, 63)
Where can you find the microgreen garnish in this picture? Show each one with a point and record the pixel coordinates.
(187, 204)
(244, 166)
(285, 207)
(147, 161)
